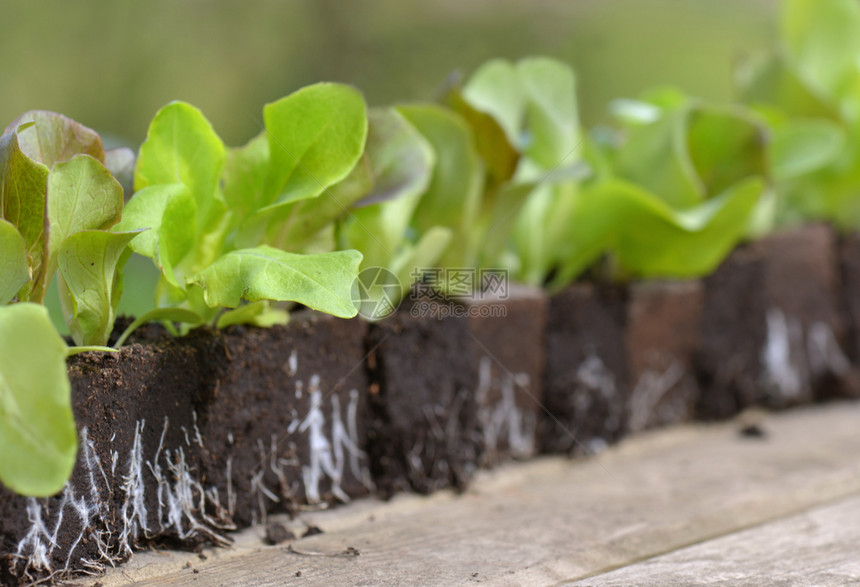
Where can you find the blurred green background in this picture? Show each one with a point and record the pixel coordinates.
(112, 63)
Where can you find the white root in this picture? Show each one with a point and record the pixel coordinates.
(182, 506)
(503, 418)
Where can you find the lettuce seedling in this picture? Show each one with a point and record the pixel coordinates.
(57, 200)
(524, 167)
(675, 192)
(681, 185)
(221, 220)
(398, 166)
(809, 94)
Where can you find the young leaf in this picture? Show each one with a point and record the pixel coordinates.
(181, 147)
(551, 109)
(551, 207)
(316, 136)
(37, 430)
(88, 263)
(496, 88)
(655, 156)
(422, 255)
(770, 81)
(800, 147)
(401, 163)
(22, 203)
(260, 314)
(301, 225)
(491, 141)
(651, 239)
(453, 197)
(245, 176)
(322, 282)
(725, 147)
(53, 138)
(393, 171)
(169, 211)
(13, 262)
(82, 195)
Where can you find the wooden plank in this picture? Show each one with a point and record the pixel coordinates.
(814, 548)
(554, 520)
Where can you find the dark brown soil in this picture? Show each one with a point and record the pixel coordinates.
(423, 434)
(271, 394)
(114, 396)
(508, 338)
(771, 330)
(183, 439)
(849, 265)
(663, 324)
(587, 383)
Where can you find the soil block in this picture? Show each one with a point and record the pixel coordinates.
(183, 439)
(132, 481)
(663, 324)
(849, 262)
(587, 383)
(771, 329)
(507, 332)
(282, 418)
(423, 435)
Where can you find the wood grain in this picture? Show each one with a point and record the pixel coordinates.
(554, 521)
(817, 547)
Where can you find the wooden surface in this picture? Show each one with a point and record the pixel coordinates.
(816, 547)
(691, 505)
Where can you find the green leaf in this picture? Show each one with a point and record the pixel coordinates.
(23, 183)
(53, 138)
(13, 262)
(651, 239)
(401, 163)
(401, 160)
(829, 193)
(551, 207)
(82, 195)
(321, 282)
(655, 156)
(425, 254)
(693, 152)
(245, 176)
(169, 212)
(454, 195)
(800, 147)
(822, 39)
(89, 261)
(316, 135)
(496, 88)
(393, 172)
(491, 141)
(553, 121)
(37, 431)
(768, 80)
(260, 314)
(725, 147)
(181, 147)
